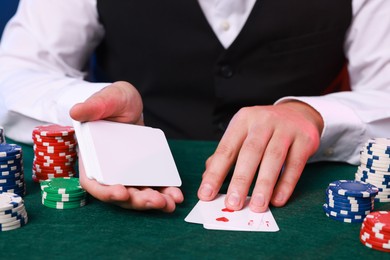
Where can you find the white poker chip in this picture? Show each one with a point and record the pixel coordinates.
(8, 201)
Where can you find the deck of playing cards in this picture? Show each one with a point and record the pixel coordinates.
(214, 215)
(131, 155)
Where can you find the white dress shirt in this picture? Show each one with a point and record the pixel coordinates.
(42, 71)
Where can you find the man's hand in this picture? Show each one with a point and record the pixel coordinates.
(276, 139)
(121, 102)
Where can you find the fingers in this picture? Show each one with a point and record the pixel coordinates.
(246, 167)
(221, 161)
(119, 102)
(263, 140)
(274, 157)
(294, 165)
(143, 198)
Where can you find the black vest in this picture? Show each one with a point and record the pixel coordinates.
(191, 86)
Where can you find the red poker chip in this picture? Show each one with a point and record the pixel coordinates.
(379, 220)
(55, 144)
(54, 130)
(48, 171)
(374, 245)
(59, 152)
(54, 141)
(71, 136)
(45, 176)
(367, 236)
(55, 155)
(54, 164)
(38, 140)
(374, 234)
(373, 230)
(55, 160)
(52, 171)
(47, 159)
(54, 168)
(55, 147)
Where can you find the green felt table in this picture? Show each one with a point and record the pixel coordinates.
(103, 231)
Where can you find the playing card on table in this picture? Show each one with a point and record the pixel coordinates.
(214, 215)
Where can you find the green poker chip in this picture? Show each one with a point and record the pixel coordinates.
(63, 197)
(63, 205)
(64, 185)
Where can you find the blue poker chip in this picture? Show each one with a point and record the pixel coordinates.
(350, 216)
(10, 182)
(10, 173)
(349, 212)
(7, 150)
(346, 199)
(334, 195)
(7, 188)
(348, 204)
(343, 218)
(11, 157)
(353, 188)
(19, 192)
(11, 161)
(12, 166)
(15, 175)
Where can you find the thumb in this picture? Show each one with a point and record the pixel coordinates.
(119, 102)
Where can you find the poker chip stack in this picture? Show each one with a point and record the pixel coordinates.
(2, 135)
(11, 169)
(54, 152)
(63, 193)
(13, 214)
(349, 200)
(375, 166)
(375, 231)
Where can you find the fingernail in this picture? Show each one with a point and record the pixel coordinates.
(234, 199)
(258, 200)
(149, 205)
(279, 197)
(206, 190)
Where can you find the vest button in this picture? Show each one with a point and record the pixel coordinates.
(226, 71)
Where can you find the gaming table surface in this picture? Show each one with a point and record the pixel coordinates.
(104, 231)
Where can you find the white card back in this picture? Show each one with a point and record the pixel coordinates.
(131, 155)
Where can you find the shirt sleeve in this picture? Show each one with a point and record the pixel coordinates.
(354, 116)
(44, 54)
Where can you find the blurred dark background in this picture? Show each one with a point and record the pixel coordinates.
(7, 10)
